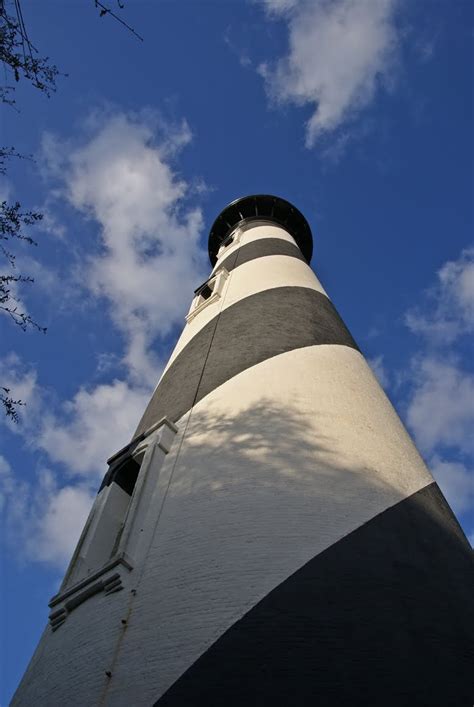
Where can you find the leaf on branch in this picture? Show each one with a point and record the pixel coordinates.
(6, 153)
(10, 404)
(20, 56)
(21, 319)
(12, 221)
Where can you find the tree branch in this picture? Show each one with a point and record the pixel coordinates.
(9, 404)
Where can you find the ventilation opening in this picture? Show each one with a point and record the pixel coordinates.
(204, 291)
(126, 475)
(228, 241)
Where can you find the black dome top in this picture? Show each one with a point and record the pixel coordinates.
(261, 207)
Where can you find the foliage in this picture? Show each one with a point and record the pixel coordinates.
(20, 60)
(12, 220)
(20, 57)
(9, 404)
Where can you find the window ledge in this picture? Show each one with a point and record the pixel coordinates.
(213, 298)
(107, 579)
(218, 280)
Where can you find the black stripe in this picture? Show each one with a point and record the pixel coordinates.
(383, 617)
(260, 248)
(255, 328)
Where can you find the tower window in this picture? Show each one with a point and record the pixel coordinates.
(104, 531)
(205, 291)
(228, 241)
(125, 475)
(208, 293)
(234, 237)
(113, 531)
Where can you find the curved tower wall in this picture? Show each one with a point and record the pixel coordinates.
(291, 545)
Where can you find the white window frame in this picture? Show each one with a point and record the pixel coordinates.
(236, 235)
(217, 280)
(108, 577)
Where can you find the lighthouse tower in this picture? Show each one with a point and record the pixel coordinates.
(270, 536)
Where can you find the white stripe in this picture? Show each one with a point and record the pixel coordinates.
(255, 276)
(277, 464)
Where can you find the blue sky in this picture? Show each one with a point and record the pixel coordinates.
(358, 111)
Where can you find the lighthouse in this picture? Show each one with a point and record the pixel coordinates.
(270, 536)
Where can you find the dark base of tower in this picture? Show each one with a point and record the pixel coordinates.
(383, 617)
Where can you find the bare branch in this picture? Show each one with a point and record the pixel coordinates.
(7, 152)
(20, 56)
(103, 10)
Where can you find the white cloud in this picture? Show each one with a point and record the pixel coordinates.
(456, 482)
(92, 426)
(5, 189)
(80, 433)
(50, 222)
(45, 517)
(279, 6)
(22, 383)
(441, 408)
(340, 53)
(380, 371)
(58, 515)
(449, 310)
(6, 481)
(48, 283)
(43, 520)
(150, 258)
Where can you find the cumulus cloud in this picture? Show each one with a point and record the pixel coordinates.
(6, 481)
(457, 482)
(80, 433)
(23, 385)
(150, 258)
(441, 409)
(92, 426)
(277, 7)
(44, 517)
(43, 521)
(340, 52)
(440, 414)
(449, 308)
